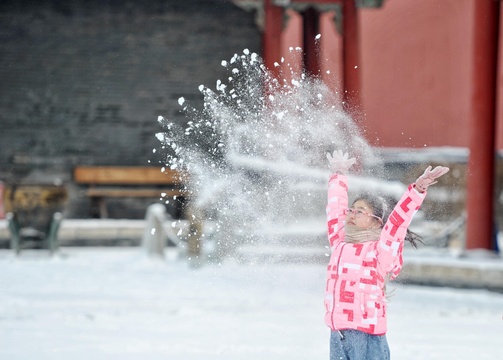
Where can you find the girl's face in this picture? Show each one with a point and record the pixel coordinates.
(361, 215)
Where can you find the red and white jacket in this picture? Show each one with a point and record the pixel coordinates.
(356, 273)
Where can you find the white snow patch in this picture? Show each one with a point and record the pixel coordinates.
(114, 303)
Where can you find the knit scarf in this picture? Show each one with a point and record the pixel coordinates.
(356, 235)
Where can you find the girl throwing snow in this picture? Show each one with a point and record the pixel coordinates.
(366, 247)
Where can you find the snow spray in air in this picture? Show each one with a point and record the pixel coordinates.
(256, 152)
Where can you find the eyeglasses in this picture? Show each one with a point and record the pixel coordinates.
(358, 213)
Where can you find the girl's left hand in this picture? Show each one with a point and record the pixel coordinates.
(429, 176)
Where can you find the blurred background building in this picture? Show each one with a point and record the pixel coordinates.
(83, 82)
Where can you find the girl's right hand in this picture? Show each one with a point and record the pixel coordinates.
(340, 162)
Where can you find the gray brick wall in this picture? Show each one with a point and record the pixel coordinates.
(83, 81)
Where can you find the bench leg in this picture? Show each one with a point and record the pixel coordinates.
(103, 209)
(99, 208)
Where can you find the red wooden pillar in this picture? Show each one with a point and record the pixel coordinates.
(481, 163)
(311, 28)
(271, 38)
(351, 60)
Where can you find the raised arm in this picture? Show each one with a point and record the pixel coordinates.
(337, 201)
(390, 245)
(389, 248)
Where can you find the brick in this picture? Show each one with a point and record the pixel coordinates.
(84, 81)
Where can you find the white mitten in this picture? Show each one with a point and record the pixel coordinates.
(429, 177)
(339, 162)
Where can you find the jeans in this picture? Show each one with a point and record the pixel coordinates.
(357, 345)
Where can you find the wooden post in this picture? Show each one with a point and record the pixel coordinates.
(311, 28)
(351, 60)
(194, 252)
(480, 182)
(271, 38)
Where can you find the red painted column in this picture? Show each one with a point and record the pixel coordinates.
(311, 25)
(351, 60)
(481, 163)
(271, 38)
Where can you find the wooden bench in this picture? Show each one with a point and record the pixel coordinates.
(127, 181)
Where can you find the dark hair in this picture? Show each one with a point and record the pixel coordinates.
(381, 207)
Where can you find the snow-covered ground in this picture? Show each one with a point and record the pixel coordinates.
(113, 303)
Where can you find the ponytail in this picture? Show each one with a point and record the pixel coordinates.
(413, 238)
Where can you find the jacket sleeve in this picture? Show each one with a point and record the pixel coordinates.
(390, 244)
(336, 203)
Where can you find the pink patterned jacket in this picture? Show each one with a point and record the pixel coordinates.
(356, 272)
